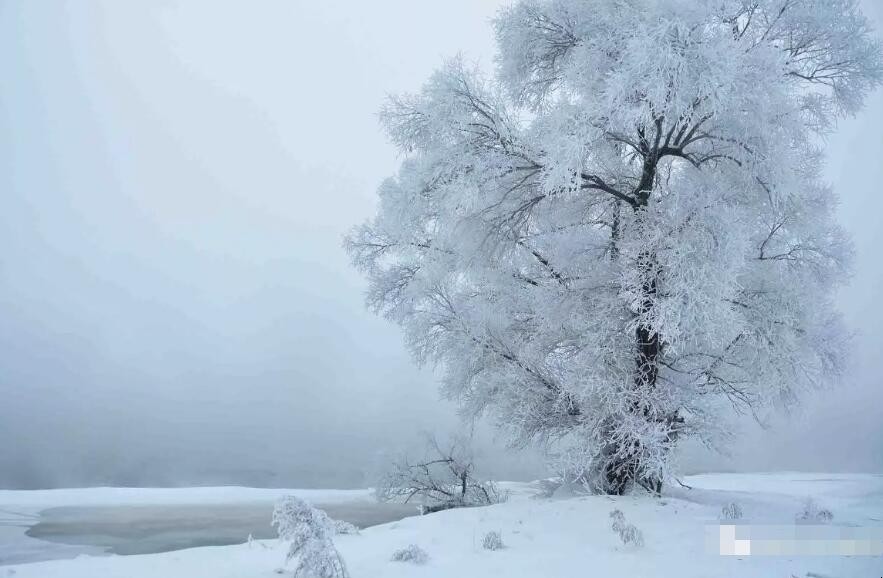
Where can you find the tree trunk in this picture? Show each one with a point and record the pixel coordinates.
(623, 467)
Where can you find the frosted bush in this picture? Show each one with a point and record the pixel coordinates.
(628, 533)
(631, 536)
(547, 488)
(731, 511)
(492, 541)
(812, 512)
(343, 527)
(310, 533)
(444, 478)
(413, 554)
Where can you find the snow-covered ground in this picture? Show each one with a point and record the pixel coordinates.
(550, 538)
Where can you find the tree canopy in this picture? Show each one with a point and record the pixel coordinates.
(624, 230)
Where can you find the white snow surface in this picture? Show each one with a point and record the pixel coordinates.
(544, 538)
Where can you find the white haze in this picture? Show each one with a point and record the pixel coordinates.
(175, 306)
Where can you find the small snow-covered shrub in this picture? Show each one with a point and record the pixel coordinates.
(310, 533)
(547, 488)
(812, 512)
(413, 554)
(629, 534)
(731, 511)
(443, 479)
(492, 541)
(342, 527)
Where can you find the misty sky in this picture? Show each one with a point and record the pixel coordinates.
(175, 305)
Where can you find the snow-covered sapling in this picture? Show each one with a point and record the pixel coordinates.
(413, 554)
(731, 511)
(625, 229)
(492, 541)
(813, 513)
(310, 532)
(629, 534)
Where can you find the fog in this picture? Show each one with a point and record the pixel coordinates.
(175, 305)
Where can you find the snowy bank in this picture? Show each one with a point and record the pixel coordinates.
(551, 538)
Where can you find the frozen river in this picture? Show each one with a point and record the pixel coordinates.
(29, 534)
(151, 529)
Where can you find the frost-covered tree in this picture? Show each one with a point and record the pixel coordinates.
(310, 533)
(624, 231)
(443, 478)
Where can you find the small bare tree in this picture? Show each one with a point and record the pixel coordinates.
(443, 479)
